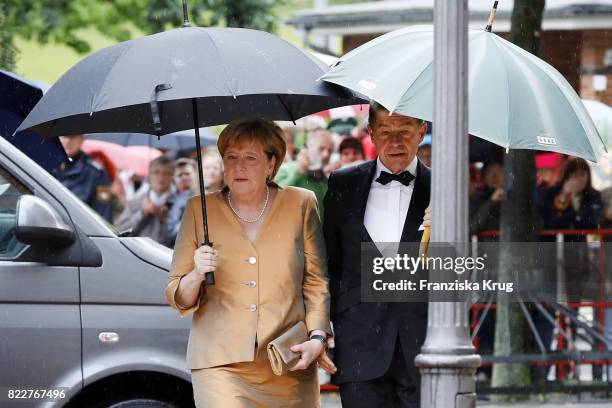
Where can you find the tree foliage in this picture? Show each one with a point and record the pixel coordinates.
(62, 21)
(8, 52)
(157, 15)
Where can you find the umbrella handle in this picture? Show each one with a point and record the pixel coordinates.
(489, 26)
(209, 277)
(424, 246)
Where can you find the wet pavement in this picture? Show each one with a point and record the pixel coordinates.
(332, 400)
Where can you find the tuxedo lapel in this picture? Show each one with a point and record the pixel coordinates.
(362, 191)
(418, 203)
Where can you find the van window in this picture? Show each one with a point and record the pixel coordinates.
(10, 191)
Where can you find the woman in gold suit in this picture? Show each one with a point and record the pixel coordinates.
(270, 270)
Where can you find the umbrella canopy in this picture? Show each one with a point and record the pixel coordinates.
(186, 78)
(147, 85)
(117, 157)
(17, 98)
(602, 117)
(345, 112)
(183, 140)
(516, 100)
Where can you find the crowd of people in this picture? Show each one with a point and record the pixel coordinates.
(153, 207)
(335, 161)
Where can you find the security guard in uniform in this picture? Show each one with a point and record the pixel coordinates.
(84, 177)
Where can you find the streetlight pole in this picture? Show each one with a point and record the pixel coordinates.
(447, 361)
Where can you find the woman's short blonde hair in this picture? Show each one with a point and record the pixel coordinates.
(265, 132)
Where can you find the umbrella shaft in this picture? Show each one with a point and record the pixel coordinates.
(210, 276)
(196, 125)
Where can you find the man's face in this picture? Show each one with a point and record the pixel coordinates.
(184, 177)
(160, 178)
(396, 138)
(72, 144)
(320, 148)
(494, 176)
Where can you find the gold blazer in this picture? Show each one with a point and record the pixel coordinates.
(262, 287)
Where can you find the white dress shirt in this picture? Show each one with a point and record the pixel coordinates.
(387, 208)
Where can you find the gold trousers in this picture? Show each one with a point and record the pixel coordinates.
(252, 384)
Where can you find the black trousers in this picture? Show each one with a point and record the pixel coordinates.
(396, 388)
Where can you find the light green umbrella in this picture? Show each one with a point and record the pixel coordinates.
(516, 100)
(602, 117)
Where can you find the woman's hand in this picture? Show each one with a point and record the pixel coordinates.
(205, 260)
(310, 350)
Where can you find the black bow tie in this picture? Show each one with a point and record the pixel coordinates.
(404, 177)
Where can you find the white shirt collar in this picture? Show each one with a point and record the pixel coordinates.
(411, 168)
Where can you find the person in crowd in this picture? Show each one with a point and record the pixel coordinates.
(383, 200)
(484, 215)
(606, 199)
(290, 136)
(572, 203)
(185, 179)
(606, 223)
(308, 170)
(212, 169)
(369, 149)
(351, 152)
(424, 152)
(146, 214)
(485, 202)
(340, 129)
(84, 177)
(264, 286)
(474, 181)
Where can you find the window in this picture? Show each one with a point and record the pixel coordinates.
(10, 191)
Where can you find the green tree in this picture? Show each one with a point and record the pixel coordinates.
(62, 21)
(156, 15)
(511, 331)
(8, 52)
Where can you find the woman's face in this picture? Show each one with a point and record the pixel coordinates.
(212, 172)
(246, 168)
(582, 179)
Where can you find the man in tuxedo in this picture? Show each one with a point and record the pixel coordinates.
(383, 200)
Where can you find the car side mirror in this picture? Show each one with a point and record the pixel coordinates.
(39, 224)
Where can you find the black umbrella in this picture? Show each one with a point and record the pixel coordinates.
(186, 78)
(183, 140)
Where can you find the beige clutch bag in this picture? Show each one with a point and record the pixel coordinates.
(281, 358)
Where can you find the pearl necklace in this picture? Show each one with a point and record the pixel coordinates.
(229, 201)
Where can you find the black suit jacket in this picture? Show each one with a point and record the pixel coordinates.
(366, 333)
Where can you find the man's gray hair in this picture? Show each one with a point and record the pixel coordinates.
(377, 107)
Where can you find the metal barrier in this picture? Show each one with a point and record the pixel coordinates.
(563, 316)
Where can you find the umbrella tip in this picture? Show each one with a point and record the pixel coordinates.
(489, 26)
(186, 22)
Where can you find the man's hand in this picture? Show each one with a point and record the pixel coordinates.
(148, 208)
